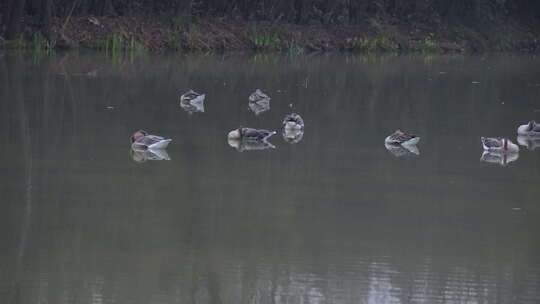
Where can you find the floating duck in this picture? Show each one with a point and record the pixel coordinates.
(259, 102)
(499, 144)
(499, 158)
(401, 138)
(402, 150)
(142, 155)
(293, 128)
(250, 134)
(192, 102)
(530, 129)
(142, 140)
(530, 142)
(248, 145)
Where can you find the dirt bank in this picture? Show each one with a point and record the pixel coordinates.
(158, 35)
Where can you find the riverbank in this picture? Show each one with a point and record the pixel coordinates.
(159, 35)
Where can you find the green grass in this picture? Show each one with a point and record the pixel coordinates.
(428, 46)
(265, 39)
(375, 44)
(116, 43)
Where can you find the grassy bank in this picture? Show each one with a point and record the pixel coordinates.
(144, 34)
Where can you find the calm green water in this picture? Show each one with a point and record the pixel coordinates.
(335, 218)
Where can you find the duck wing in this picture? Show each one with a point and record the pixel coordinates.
(257, 96)
(399, 137)
(149, 140)
(491, 142)
(254, 134)
(189, 95)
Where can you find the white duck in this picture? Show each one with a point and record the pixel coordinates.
(293, 128)
(401, 138)
(530, 129)
(499, 144)
(142, 140)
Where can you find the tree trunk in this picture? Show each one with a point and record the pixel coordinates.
(14, 23)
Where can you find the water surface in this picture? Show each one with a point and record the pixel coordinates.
(335, 218)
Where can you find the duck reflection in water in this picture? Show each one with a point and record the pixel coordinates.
(402, 150)
(528, 141)
(500, 158)
(192, 102)
(293, 128)
(142, 155)
(248, 145)
(259, 102)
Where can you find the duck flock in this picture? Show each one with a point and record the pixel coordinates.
(145, 146)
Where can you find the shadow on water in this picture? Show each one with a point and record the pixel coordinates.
(334, 218)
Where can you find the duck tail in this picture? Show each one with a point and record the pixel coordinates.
(269, 134)
(162, 144)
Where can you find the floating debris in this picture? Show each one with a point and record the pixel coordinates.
(142, 155)
(142, 140)
(192, 102)
(259, 102)
(293, 128)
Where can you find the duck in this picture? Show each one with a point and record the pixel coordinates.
(499, 158)
(530, 129)
(499, 144)
(259, 102)
(293, 128)
(401, 138)
(242, 133)
(192, 97)
(293, 121)
(258, 95)
(142, 140)
(192, 102)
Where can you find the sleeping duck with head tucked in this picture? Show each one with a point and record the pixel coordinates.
(142, 140)
(401, 138)
(530, 129)
(242, 133)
